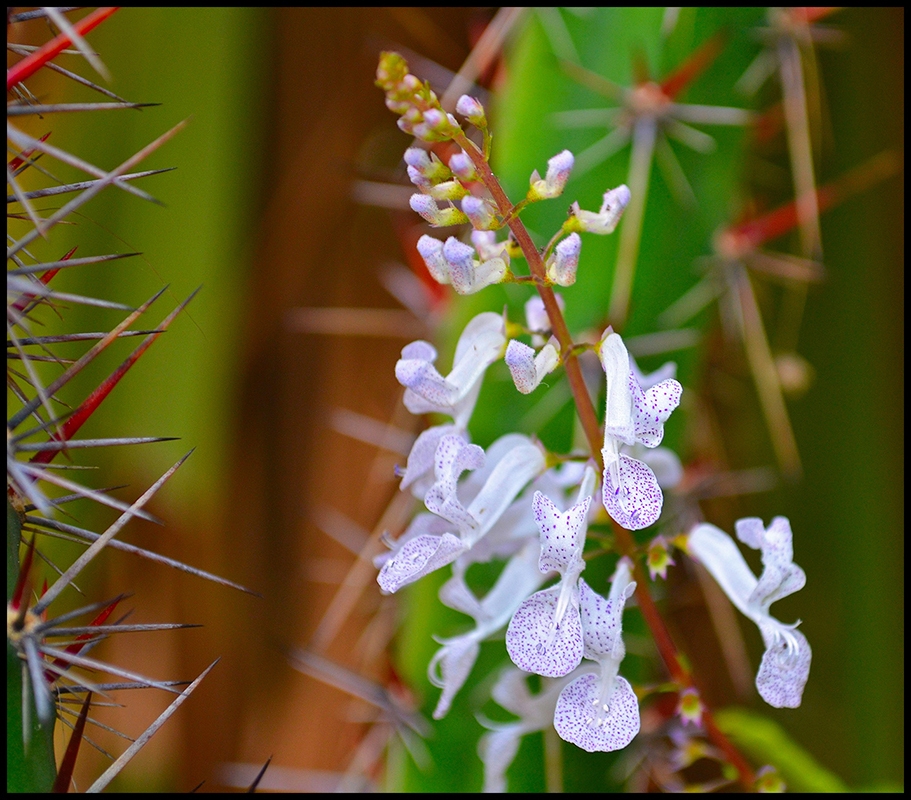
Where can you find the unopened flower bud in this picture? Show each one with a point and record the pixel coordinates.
(438, 217)
(448, 190)
(561, 268)
(425, 169)
(472, 110)
(460, 257)
(605, 221)
(478, 212)
(462, 167)
(558, 169)
(528, 369)
(536, 317)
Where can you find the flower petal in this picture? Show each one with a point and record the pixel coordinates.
(497, 749)
(630, 492)
(421, 458)
(562, 535)
(652, 408)
(785, 666)
(618, 416)
(513, 471)
(718, 553)
(579, 720)
(453, 456)
(455, 659)
(417, 558)
(780, 575)
(602, 622)
(535, 645)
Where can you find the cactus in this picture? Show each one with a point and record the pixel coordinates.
(49, 632)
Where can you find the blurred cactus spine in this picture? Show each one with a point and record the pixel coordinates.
(46, 647)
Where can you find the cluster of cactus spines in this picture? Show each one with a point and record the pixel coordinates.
(457, 187)
(47, 646)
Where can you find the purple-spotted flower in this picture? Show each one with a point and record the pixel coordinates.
(785, 665)
(600, 711)
(631, 493)
(450, 666)
(426, 551)
(545, 633)
(427, 391)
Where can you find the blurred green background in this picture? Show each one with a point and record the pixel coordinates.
(284, 115)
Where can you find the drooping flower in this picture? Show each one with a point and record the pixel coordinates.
(450, 666)
(498, 747)
(426, 390)
(785, 665)
(427, 551)
(600, 711)
(561, 267)
(545, 633)
(631, 493)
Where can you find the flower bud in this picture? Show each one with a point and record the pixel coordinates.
(558, 169)
(478, 212)
(463, 167)
(605, 221)
(561, 268)
(438, 217)
(472, 110)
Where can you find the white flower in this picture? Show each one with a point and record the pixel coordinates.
(631, 493)
(600, 711)
(545, 633)
(450, 666)
(480, 344)
(498, 747)
(428, 549)
(786, 663)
